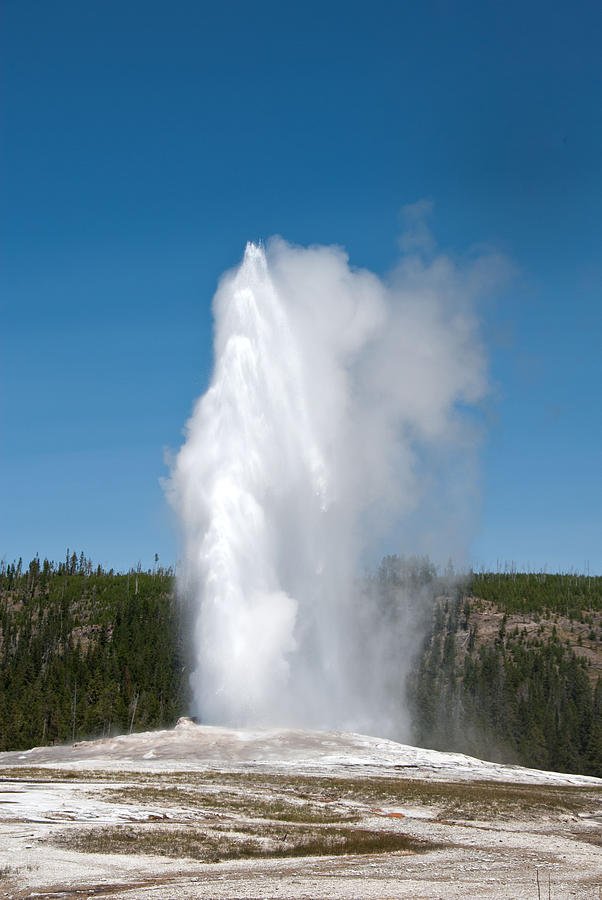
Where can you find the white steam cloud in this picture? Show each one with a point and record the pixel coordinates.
(330, 389)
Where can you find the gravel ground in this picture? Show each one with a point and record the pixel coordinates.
(494, 831)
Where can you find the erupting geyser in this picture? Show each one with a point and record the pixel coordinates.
(326, 382)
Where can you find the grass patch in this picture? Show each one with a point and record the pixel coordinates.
(43, 775)
(247, 841)
(285, 811)
(589, 837)
(319, 799)
(242, 804)
(470, 799)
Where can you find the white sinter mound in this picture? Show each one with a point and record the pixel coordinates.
(199, 746)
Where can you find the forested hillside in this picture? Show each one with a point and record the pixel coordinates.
(509, 669)
(86, 652)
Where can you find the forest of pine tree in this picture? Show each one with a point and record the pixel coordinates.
(84, 652)
(509, 669)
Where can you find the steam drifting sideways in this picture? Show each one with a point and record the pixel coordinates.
(328, 385)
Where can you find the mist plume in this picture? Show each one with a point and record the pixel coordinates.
(331, 388)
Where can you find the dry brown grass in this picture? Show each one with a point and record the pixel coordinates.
(241, 804)
(468, 799)
(243, 841)
(322, 800)
(44, 775)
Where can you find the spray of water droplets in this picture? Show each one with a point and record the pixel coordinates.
(303, 453)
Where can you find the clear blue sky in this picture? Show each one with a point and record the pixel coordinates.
(144, 142)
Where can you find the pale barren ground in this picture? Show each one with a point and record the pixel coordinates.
(202, 812)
